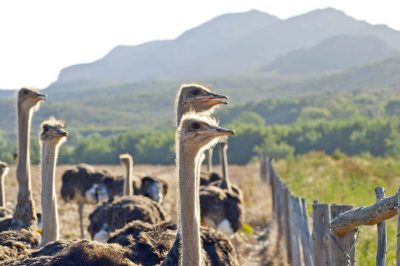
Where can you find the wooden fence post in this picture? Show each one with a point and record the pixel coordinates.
(261, 158)
(321, 234)
(306, 240)
(343, 247)
(381, 252)
(398, 230)
(268, 166)
(295, 230)
(286, 225)
(274, 191)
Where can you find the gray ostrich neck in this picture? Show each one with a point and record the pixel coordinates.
(129, 179)
(48, 195)
(189, 223)
(24, 215)
(2, 193)
(224, 163)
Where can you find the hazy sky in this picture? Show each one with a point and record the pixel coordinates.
(38, 38)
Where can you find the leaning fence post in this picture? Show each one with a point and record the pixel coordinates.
(398, 230)
(343, 247)
(381, 252)
(321, 234)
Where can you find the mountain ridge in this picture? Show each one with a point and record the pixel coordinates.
(230, 44)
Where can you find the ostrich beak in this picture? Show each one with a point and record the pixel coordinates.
(213, 99)
(220, 131)
(61, 132)
(40, 96)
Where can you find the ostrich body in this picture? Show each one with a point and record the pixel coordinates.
(24, 215)
(4, 211)
(52, 136)
(85, 185)
(75, 252)
(149, 244)
(121, 211)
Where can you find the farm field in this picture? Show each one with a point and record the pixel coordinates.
(253, 245)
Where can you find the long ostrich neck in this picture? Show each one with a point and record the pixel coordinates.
(129, 178)
(49, 199)
(179, 112)
(224, 163)
(2, 194)
(189, 206)
(24, 215)
(209, 155)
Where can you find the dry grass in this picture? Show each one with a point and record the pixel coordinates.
(254, 248)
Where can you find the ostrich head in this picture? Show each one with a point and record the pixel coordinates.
(29, 98)
(197, 98)
(53, 131)
(198, 133)
(3, 168)
(126, 159)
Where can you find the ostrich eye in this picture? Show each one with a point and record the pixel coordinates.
(45, 128)
(195, 92)
(24, 92)
(195, 126)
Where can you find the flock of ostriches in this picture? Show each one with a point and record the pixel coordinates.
(129, 225)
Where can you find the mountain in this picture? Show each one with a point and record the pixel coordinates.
(228, 45)
(170, 59)
(332, 54)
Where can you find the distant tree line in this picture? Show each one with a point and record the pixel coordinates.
(355, 136)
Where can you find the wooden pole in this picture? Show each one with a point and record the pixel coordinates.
(295, 230)
(398, 232)
(321, 234)
(286, 219)
(381, 252)
(374, 214)
(342, 247)
(306, 240)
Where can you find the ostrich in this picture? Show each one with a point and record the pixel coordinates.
(110, 216)
(85, 185)
(149, 244)
(151, 187)
(4, 211)
(51, 137)
(23, 235)
(28, 101)
(144, 206)
(221, 202)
